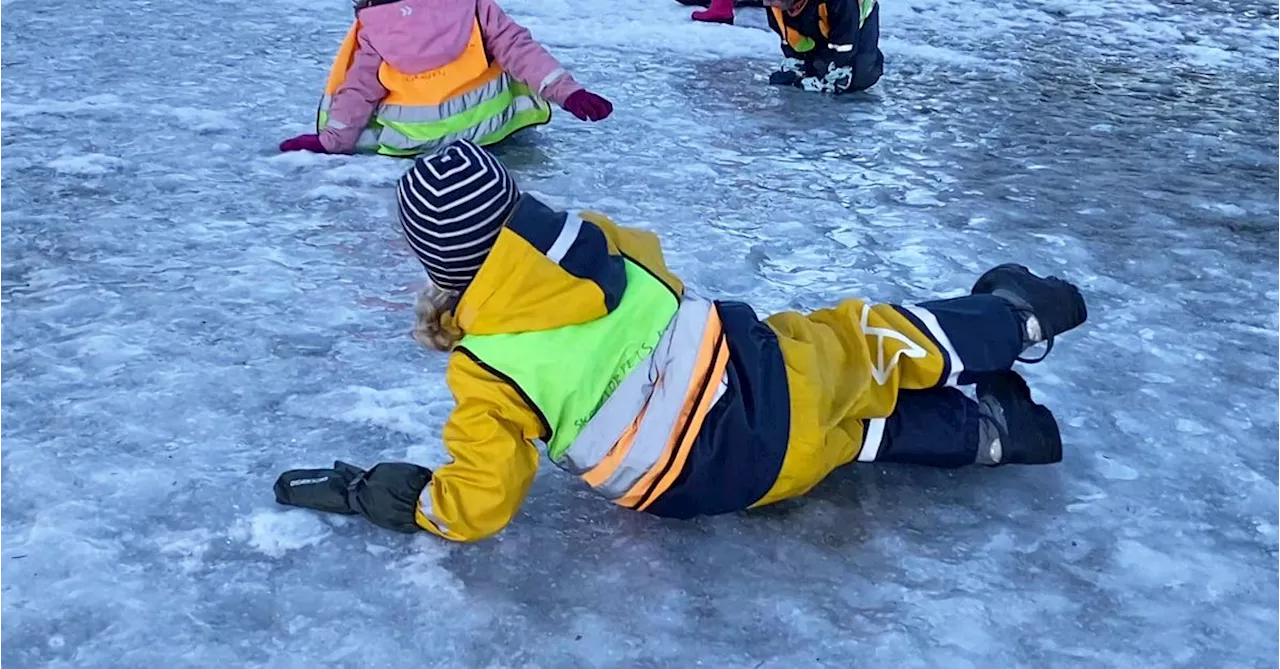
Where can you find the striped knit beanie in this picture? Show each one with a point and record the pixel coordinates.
(453, 204)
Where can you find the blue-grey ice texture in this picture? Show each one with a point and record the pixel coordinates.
(187, 312)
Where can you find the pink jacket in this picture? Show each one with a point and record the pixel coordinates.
(419, 35)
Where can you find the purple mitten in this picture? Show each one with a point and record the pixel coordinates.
(588, 106)
(303, 143)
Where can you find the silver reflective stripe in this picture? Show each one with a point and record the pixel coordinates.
(449, 108)
(335, 124)
(550, 79)
(397, 140)
(842, 48)
(681, 350)
(639, 389)
(673, 364)
(368, 140)
(372, 139)
(871, 440)
(678, 350)
(613, 417)
(425, 508)
(568, 235)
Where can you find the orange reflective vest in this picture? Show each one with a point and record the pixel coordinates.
(802, 43)
(469, 98)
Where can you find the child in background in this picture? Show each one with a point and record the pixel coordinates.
(828, 46)
(569, 335)
(414, 75)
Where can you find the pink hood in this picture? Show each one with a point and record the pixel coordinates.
(419, 35)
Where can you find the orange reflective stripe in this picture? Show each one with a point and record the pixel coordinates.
(609, 464)
(694, 426)
(677, 449)
(824, 26)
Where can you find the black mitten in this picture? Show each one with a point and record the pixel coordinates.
(789, 73)
(319, 489)
(388, 494)
(784, 78)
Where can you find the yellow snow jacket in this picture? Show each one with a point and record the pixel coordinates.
(495, 426)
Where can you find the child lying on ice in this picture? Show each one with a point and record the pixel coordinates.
(413, 75)
(569, 335)
(828, 46)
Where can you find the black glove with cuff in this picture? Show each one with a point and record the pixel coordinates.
(387, 494)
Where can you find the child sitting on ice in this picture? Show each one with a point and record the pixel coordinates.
(413, 75)
(569, 335)
(828, 46)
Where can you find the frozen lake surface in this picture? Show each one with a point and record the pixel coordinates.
(187, 312)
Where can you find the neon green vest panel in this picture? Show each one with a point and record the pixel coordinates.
(569, 372)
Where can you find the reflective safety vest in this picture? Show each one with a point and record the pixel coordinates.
(469, 98)
(803, 43)
(624, 396)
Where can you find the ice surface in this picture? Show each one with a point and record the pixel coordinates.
(186, 313)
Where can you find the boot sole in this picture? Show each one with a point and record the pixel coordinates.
(1031, 425)
(988, 283)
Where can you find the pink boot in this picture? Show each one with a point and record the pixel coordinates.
(720, 11)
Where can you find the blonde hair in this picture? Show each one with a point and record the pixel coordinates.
(434, 325)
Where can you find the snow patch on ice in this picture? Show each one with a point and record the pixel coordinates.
(1151, 568)
(301, 159)
(1207, 56)
(1190, 426)
(673, 33)
(398, 409)
(12, 165)
(275, 533)
(1225, 208)
(1110, 468)
(93, 103)
(89, 164)
(332, 192)
(198, 120)
(372, 173)
(919, 51)
(102, 353)
(422, 568)
(186, 549)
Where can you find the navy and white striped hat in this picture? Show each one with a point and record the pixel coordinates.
(453, 204)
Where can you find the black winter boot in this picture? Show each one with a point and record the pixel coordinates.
(1047, 306)
(1013, 429)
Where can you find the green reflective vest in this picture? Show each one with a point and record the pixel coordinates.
(569, 372)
